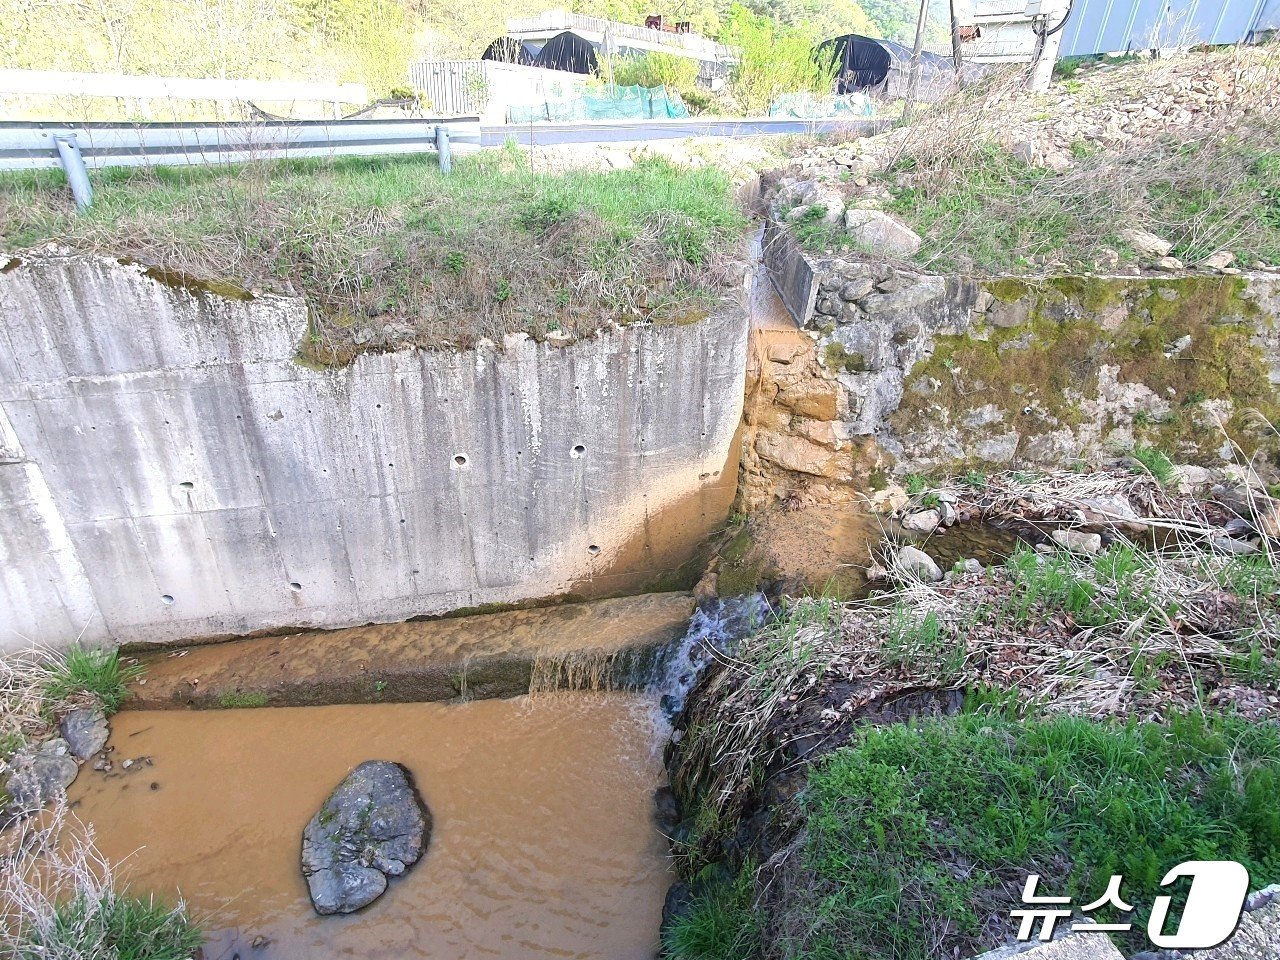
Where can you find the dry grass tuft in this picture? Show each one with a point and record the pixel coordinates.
(1000, 180)
(25, 709)
(60, 898)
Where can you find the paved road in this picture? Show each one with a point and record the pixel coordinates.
(616, 131)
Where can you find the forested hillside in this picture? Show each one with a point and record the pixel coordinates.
(368, 41)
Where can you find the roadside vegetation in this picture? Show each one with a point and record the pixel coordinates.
(391, 251)
(996, 180)
(653, 69)
(874, 779)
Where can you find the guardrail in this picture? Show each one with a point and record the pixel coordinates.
(77, 147)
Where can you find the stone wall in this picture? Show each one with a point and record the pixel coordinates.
(955, 372)
(168, 471)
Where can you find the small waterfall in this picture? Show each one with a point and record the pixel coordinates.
(714, 627)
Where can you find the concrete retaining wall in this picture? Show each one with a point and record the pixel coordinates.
(167, 471)
(793, 275)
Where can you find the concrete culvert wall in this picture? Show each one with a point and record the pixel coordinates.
(167, 471)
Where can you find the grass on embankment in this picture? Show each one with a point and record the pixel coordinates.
(1000, 215)
(920, 837)
(999, 180)
(390, 251)
(38, 686)
(1122, 717)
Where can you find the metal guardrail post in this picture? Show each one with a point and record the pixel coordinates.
(77, 174)
(442, 148)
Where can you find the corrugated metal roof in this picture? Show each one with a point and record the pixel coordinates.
(1110, 26)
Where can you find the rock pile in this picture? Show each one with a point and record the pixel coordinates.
(40, 776)
(1104, 106)
(1108, 106)
(40, 773)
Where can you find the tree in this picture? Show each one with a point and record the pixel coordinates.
(897, 19)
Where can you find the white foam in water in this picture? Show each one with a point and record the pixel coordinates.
(713, 628)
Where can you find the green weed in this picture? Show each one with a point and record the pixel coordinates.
(922, 644)
(455, 261)
(1155, 462)
(1252, 578)
(1112, 588)
(721, 923)
(815, 233)
(116, 926)
(545, 212)
(95, 671)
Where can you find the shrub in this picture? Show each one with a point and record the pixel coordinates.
(656, 70)
(93, 671)
(773, 60)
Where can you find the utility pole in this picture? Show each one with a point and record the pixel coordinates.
(956, 57)
(1051, 18)
(913, 85)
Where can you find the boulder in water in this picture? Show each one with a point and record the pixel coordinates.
(85, 731)
(373, 826)
(913, 563)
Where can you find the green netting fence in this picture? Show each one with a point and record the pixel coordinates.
(618, 103)
(807, 106)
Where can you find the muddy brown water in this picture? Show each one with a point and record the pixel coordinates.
(827, 547)
(544, 843)
(475, 657)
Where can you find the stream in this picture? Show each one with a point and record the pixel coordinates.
(544, 841)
